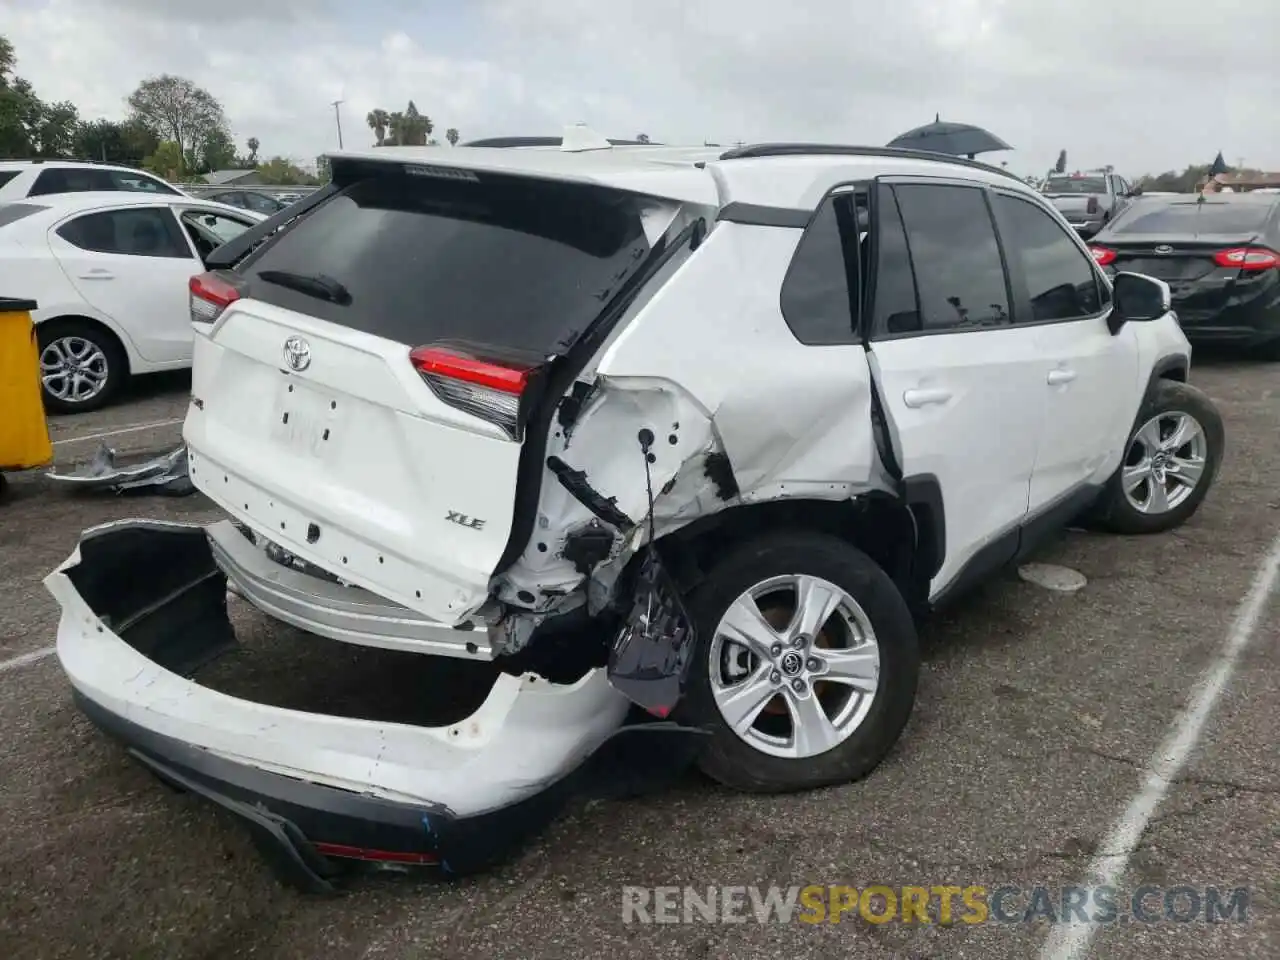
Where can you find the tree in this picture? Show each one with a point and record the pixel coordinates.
(215, 151)
(1061, 165)
(253, 144)
(8, 60)
(166, 161)
(20, 108)
(378, 120)
(642, 137)
(409, 128)
(278, 171)
(452, 136)
(55, 129)
(177, 110)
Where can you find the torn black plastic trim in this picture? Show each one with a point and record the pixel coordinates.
(587, 549)
(651, 654)
(719, 471)
(575, 481)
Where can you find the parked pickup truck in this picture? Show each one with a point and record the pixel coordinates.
(1089, 201)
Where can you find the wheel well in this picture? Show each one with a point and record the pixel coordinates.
(884, 527)
(97, 325)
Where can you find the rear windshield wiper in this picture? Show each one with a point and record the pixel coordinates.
(317, 285)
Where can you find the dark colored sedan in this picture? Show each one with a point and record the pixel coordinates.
(249, 200)
(1218, 254)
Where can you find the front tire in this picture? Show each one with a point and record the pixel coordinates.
(82, 366)
(806, 664)
(1171, 459)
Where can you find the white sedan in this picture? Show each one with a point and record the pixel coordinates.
(109, 272)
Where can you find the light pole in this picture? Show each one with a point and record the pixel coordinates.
(337, 117)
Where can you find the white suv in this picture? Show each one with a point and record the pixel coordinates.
(20, 179)
(691, 431)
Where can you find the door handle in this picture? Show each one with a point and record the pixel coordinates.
(97, 275)
(925, 396)
(1060, 376)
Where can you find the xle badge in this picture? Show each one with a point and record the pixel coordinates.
(462, 520)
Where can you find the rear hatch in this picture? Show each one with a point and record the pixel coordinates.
(363, 389)
(1205, 251)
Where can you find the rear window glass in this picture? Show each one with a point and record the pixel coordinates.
(1075, 185)
(526, 265)
(6, 176)
(1208, 217)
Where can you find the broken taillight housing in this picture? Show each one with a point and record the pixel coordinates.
(488, 387)
(1102, 256)
(211, 293)
(1247, 258)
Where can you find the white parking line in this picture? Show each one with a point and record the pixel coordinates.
(1071, 941)
(135, 428)
(27, 658)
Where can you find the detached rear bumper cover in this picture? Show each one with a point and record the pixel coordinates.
(143, 605)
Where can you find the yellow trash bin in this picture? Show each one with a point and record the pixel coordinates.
(24, 433)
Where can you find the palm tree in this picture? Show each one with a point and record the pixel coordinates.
(378, 120)
(253, 146)
(452, 136)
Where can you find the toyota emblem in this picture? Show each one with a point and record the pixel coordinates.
(297, 354)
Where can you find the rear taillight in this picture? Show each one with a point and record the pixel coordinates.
(1247, 258)
(489, 388)
(1093, 205)
(210, 295)
(1102, 255)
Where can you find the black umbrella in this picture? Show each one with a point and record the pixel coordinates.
(957, 139)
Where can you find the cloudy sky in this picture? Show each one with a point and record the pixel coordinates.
(1147, 85)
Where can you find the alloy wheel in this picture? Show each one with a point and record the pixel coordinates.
(73, 369)
(1164, 463)
(794, 666)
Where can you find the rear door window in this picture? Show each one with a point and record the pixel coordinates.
(137, 232)
(6, 176)
(895, 308)
(958, 268)
(1061, 283)
(504, 261)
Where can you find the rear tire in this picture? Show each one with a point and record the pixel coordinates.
(847, 726)
(1173, 413)
(82, 365)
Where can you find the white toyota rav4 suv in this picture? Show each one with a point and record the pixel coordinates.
(645, 428)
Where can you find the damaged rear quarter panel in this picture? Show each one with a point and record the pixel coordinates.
(710, 367)
(794, 420)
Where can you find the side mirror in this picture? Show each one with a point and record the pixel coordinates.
(1136, 298)
(1135, 191)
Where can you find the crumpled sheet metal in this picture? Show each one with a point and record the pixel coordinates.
(167, 475)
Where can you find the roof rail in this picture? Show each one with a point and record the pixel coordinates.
(545, 142)
(756, 150)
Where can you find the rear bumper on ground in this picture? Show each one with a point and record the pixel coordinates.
(143, 606)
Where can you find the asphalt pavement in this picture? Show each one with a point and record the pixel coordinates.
(1039, 717)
